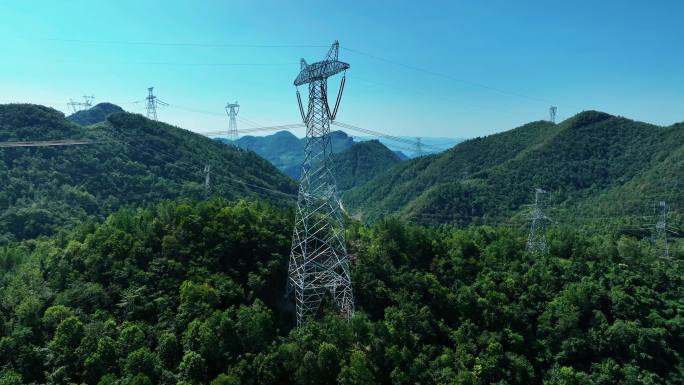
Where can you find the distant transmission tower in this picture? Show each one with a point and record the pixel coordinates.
(152, 103)
(207, 180)
(536, 240)
(232, 110)
(419, 147)
(659, 237)
(319, 262)
(79, 106)
(552, 113)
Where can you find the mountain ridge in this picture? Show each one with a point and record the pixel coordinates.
(493, 177)
(135, 161)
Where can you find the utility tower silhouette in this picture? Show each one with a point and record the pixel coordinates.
(207, 180)
(319, 262)
(552, 113)
(419, 147)
(152, 103)
(232, 110)
(536, 240)
(78, 106)
(659, 237)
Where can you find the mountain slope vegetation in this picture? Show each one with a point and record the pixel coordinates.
(192, 293)
(492, 178)
(135, 162)
(286, 151)
(96, 114)
(361, 162)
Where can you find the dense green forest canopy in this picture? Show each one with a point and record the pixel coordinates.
(114, 271)
(192, 293)
(593, 165)
(136, 162)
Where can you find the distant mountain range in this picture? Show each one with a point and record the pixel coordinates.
(286, 151)
(593, 164)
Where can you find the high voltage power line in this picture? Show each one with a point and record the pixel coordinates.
(376, 57)
(49, 143)
(188, 44)
(429, 218)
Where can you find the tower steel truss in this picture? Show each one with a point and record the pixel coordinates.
(232, 110)
(319, 263)
(659, 237)
(536, 240)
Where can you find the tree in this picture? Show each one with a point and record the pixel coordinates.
(357, 371)
(67, 336)
(193, 367)
(9, 377)
(143, 361)
(131, 338)
(169, 350)
(196, 301)
(255, 326)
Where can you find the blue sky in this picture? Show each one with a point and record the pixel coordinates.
(470, 68)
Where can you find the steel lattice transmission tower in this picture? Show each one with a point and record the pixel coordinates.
(152, 103)
(659, 237)
(419, 147)
(78, 106)
(552, 114)
(536, 240)
(232, 110)
(207, 180)
(319, 263)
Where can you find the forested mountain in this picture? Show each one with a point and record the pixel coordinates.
(135, 162)
(96, 114)
(592, 157)
(286, 151)
(361, 162)
(192, 293)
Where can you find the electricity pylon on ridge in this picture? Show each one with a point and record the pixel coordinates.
(319, 262)
(152, 103)
(552, 114)
(232, 110)
(659, 236)
(419, 147)
(536, 240)
(84, 105)
(207, 180)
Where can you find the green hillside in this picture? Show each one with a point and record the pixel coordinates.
(361, 162)
(136, 162)
(192, 293)
(286, 151)
(96, 114)
(492, 178)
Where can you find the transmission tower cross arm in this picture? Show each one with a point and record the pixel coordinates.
(322, 69)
